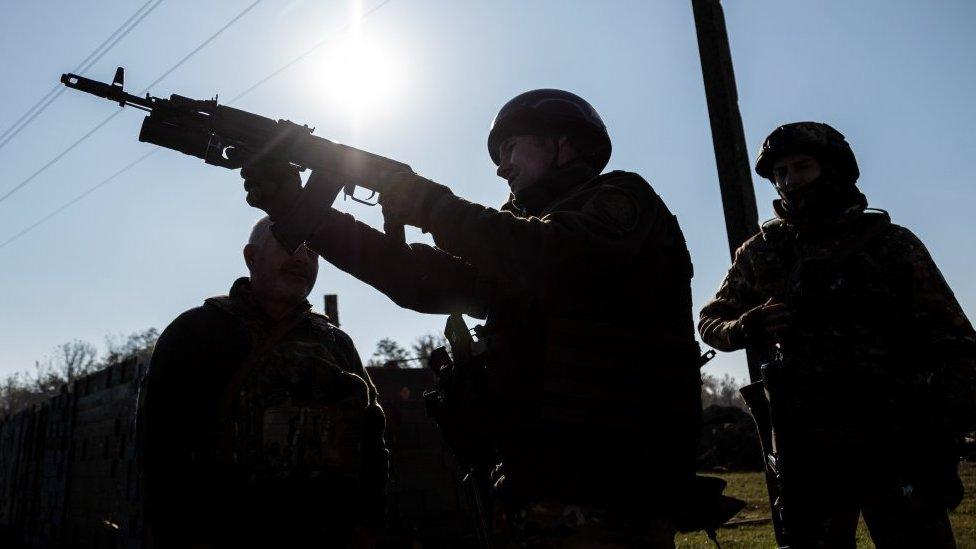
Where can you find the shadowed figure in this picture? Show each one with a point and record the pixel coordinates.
(591, 385)
(259, 425)
(871, 369)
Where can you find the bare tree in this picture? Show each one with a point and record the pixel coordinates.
(728, 392)
(424, 345)
(119, 347)
(388, 353)
(723, 392)
(71, 360)
(15, 393)
(709, 390)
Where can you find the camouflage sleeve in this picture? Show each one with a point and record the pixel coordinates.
(376, 457)
(945, 334)
(718, 322)
(414, 276)
(607, 232)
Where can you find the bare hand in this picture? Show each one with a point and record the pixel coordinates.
(407, 198)
(272, 186)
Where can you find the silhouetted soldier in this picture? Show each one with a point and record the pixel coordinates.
(259, 426)
(585, 281)
(876, 355)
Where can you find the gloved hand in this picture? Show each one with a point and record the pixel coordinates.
(765, 324)
(272, 186)
(408, 198)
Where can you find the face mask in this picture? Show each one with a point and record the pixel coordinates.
(824, 197)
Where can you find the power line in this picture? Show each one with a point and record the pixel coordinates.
(72, 202)
(92, 58)
(59, 156)
(98, 126)
(132, 164)
(202, 45)
(76, 70)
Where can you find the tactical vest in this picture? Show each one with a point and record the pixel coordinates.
(607, 373)
(616, 381)
(296, 419)
(849, 350)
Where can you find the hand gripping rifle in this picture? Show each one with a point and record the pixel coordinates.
(232, 138)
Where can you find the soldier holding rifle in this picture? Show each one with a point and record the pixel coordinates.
(592, 365)
(871, 362)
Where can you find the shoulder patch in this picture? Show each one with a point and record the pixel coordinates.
(617, 208)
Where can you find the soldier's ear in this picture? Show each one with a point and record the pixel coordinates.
(250, 251)
(566, 149)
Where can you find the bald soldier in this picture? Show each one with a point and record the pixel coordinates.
(584, 277)
(259, 425)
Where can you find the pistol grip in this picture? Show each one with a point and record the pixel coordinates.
(315, 200)
(394, 230)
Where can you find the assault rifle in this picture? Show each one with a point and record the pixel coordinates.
(461, 407)
(771, 405)
(231, 138)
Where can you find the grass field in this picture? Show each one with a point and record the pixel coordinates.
(750, 488)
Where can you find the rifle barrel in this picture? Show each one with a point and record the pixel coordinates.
(111, 92)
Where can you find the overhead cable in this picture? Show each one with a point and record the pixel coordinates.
(71, 202)
(132, 164)
(98, 126)
(92, 58)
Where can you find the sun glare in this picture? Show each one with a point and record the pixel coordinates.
(358, 73)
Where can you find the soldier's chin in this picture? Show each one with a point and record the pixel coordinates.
(517, 183)
(294, 287)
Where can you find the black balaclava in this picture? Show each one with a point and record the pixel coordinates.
(829, 196)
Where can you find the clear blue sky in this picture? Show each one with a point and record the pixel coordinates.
(896, 77)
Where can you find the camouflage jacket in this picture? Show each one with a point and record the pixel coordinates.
(878, 343)
(593, 356)
(300, 434)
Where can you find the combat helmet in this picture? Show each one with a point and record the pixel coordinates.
(814, 138)
(552, 112)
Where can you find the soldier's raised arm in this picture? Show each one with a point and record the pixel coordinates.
(606, 226)
(414, 276)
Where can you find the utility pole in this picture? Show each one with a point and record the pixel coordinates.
(332, 308)
(728, 138)
(739, 203)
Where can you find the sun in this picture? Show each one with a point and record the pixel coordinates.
(359, 74)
